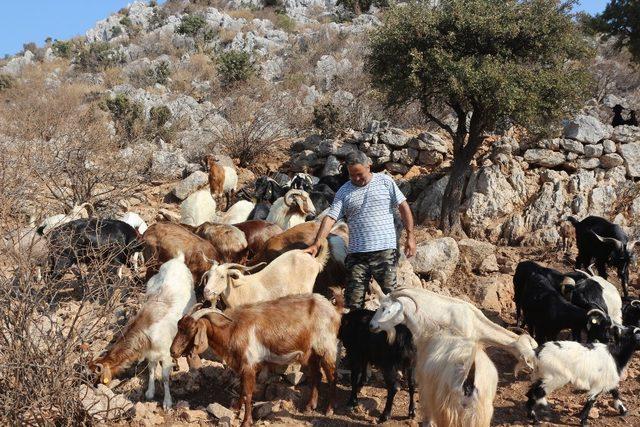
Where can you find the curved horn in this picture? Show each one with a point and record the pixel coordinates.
(403, 293)
(198, 314)
(288, 198)
(630, 245)
(93, 209)
(244, 268)
(568, 281)
(590, 268)
(609, 240)
(99, 368)
(635, 303)
(584, 272)
(204, 277)
(194, 309)
(517, 329)
(596, 310)
(213, 262)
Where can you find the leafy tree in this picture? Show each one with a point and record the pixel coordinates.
(191, 25)
(485, 61)
(621, 19)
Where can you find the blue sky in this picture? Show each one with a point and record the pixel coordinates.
(23, 21)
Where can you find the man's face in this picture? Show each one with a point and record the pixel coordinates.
(360, 174)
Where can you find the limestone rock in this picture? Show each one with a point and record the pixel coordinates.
(190, 184)
(430, 142)
(331, 167)
(167, 164)
(397, 168)
(572, 146)
(405, 156)
(544, 157)
(102, 403)
(593, 150)
(475, 252)
(406, 275)
(626, 134)
(602, 199)
(219, 411)
(611, 160)
(587, 129)
(631, 155)
(378, 150)
(608, 146)
(430, 158)
(394, 137)
(429, 203)
(586, 163)
(436, 259)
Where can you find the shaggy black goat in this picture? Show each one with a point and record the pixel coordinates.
(84, 240)
(606, 243)
(364, 347)
(631, 314)
(546, 313)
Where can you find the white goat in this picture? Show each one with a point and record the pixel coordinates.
(134, 220)
(291, 210)
(426, 313)
(149, 335)
(77, 212)
(198, 208)
(457, 382)
(293, 272)
(596, 368)
(238, 212)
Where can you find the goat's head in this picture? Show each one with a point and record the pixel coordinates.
(102, 370)
(301, 200)
(222, 278)
(598, 326)
(621, 255)
(301, 181)
(625, 336)
(267, 189)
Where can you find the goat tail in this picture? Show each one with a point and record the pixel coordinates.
(323, 254)
(573, 220)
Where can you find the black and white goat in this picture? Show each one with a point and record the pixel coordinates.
(391, 354)
(605, 243)
(595, 292)
(631, 314)
(596, 368)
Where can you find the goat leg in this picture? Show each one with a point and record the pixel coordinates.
(412, 385)
(248, 383)
(314, 376)
(536, 394)
(151, 388)
(166, 373)
(356, 372)
(329, 368)
(617, 402)
(584, 414)
(392, 384)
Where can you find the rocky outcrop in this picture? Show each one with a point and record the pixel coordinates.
(436, 259)
(587, 129)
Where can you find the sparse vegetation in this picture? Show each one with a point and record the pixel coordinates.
(128, 117)
(621, 20)
(327, 118)
(62, 49)
(98, 56)
(235, 66)
(191, 25)
(6, 81)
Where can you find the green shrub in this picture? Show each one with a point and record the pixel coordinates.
(116, 31)
(191, 25)
(98, 56)
(6, 81)
(327, 118)
(126, 22)
(235, 66)
(159, 116)
(62, 49)
(285, 22)
(127, 115)
(160, 73)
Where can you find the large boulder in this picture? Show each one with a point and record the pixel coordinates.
(407, 276)
(190, 184)
(631, 155)
(544, 157)
(167, 164)
(394, 137)
(626, 134)
(587, 129)
(429, 204)
(436, 259)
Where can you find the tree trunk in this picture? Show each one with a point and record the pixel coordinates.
(452, 199)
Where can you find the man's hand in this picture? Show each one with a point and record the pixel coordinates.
(313, 250)
(410, 245)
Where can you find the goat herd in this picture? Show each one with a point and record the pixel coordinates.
(278, 308)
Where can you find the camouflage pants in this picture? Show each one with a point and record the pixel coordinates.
(382, 265)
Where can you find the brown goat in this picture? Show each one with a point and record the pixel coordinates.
(257, 233)
(229, 241)
(300, 236)
(295, 327)
(164, 240)
(216, 176)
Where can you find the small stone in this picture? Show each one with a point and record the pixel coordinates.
(572, 156)
(593, 150)
(588, 163)
(609, 161)
(219, 411)
(182, 404)
(183, 366)
(544, 157)
(430, 158)
(394, 137)
(264, 409)
(294, 378)
(397, 168)
(608, 146)
(572, 146)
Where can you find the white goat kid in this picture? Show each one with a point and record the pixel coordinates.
(239, 212)
(198, 208)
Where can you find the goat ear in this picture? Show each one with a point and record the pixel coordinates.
(200, 342)
(234, 274)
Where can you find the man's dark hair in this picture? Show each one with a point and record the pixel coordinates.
(357, 158)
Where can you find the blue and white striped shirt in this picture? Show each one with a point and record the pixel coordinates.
(369, 213)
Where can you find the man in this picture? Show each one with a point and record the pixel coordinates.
(368, 201)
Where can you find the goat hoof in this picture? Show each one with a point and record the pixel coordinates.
(329, 412)
(149, 395)
(383, 418)
(412, 414)
(167, 404)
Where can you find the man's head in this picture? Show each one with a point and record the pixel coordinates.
(359, 167)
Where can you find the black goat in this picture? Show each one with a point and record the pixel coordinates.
(301, 181)
(336, 181)
(618, 120)
(84, 240)
(632, 121)
(268, 190)
(546, 312)
(527, 269)
(260, 211)
(606, 243)
(364, 347)
(631, 314)
(322, 196)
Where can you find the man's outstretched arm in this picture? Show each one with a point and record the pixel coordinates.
(323, 232)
